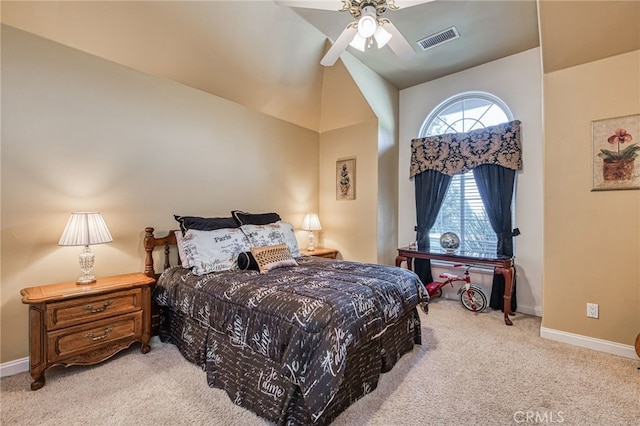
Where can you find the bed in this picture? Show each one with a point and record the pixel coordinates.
(296, 343)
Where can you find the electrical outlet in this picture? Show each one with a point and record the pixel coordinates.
(592, 310)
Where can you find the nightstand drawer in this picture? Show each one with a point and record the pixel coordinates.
(82, 338)
(85, 309)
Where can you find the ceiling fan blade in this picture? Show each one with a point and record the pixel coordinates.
(402, 4)
(398, 43)
(340, 44)
(313, 4)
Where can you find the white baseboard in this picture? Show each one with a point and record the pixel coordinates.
(535, 311)
(14, 367)
(600, 345)
(22, 365)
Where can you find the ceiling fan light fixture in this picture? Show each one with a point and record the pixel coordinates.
(367, 23)
(358, 42)
(382, 36)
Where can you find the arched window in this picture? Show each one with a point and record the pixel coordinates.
(462, 211)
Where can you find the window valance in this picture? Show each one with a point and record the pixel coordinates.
(455, 153)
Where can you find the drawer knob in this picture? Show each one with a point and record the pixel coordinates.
(105, 334)
(93, 310)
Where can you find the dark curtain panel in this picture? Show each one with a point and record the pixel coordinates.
(495, 185)
(431, 187)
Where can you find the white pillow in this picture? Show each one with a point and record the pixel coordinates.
(181, 252)
(272, 234)
(290, 238)
(210, 251)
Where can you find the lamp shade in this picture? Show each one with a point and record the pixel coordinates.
(367, 23)
(382, 36)
(85, 229)
(311, 222)
(358, 42)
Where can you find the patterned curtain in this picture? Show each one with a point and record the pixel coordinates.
(498, 150)
(455, 153)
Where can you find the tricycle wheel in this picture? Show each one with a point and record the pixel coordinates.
(473, 299)
(437, 293)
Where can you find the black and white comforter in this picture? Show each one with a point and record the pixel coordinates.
(294, 328)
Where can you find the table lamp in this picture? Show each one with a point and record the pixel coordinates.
(311, 222)
(85, 229)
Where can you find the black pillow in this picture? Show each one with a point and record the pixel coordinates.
(244, 218)
(247, 262)
(205, 223)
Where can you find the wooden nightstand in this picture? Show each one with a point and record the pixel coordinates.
(321, 252)
(71, 324)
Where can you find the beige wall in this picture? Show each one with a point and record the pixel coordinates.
(359, 120)
(82, 133)
(214, 46)
(383, 99)
(358, 113)
(516, 80)
(350, 224)
(592, 239)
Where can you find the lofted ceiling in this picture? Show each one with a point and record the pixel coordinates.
(489, 30)
(266, 56)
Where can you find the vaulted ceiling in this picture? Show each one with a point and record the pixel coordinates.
(266, 56)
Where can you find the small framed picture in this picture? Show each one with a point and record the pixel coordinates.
(615, 153)
(346, 179)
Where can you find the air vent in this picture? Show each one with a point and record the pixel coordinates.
(438, 38)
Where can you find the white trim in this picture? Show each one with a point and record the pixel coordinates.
(461, 97)
(536, 311)
(14, 367)
(483, 275)
(600, 345)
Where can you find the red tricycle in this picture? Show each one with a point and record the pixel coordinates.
(471, 295)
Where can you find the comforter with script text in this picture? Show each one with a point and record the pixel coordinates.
(266, 337)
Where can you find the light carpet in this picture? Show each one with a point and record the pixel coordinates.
(470, 370)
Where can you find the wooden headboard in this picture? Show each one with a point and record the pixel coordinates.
(150, 243)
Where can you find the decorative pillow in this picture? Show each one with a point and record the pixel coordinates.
(289, 238)
(244, 218)
(181, 252)
(205, 223)
(273, 257)
(210, 251)
(271, 234)
(247, 262)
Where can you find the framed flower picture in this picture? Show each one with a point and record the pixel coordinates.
(615, 153)
(346, 179)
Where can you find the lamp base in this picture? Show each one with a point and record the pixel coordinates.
(312, 242)
(86, 279)
(86, 260)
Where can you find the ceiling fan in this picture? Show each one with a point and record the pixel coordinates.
(369, 25)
